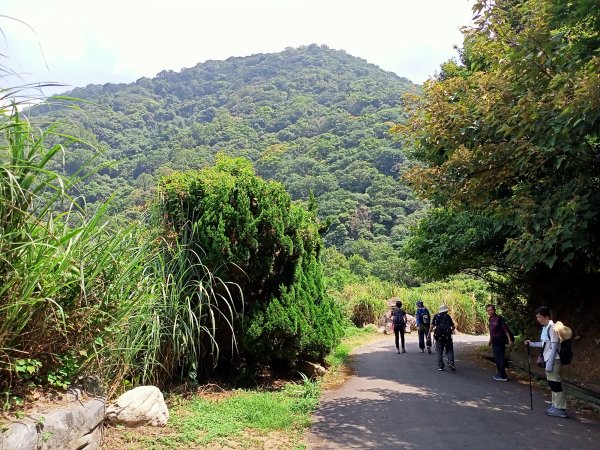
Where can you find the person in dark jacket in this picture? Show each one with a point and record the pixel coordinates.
(442, 327)
(499, 337)
(423, 318)
(399, 325)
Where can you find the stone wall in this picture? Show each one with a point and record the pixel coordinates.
(76, 427)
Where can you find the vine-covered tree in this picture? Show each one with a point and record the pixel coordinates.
(250, 233)
(510, 140)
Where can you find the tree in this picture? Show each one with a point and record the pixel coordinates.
(248, 231)
(510, 133)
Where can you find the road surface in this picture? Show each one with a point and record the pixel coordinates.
(401, 401)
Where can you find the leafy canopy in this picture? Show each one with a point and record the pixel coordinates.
(510, 134)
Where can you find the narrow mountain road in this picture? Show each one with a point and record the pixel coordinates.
(403, 402)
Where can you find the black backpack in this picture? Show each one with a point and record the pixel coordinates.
(398, 318)
(565, 350)
(443, 327)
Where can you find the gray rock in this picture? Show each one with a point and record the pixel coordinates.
(75, 428)
(143, 405)
(20, 436)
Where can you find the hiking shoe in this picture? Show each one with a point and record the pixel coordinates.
(452, 368)
(499, 378)
(429, 350)
(398, 351)
(555, 412)
(422, 350)
(403, 351)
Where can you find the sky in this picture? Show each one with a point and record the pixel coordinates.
(78, 42)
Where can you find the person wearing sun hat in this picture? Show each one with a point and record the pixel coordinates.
(549, 343)
(442, 327)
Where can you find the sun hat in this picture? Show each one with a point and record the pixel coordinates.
(562, 331)
(443, 309)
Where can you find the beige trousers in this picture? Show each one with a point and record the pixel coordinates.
(559, 399)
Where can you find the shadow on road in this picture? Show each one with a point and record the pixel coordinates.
(402, 401)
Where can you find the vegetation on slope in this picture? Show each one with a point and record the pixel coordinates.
(313, 118)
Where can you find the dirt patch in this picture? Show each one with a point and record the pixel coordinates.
(121, 438)
(35, 402)
(334, 378)
(253, 439)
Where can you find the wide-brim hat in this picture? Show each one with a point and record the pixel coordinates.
(443, 309)
(562, 331)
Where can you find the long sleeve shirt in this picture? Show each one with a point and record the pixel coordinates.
(549, 342)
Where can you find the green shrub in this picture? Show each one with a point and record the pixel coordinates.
(251, 234)
(67, 280)
(366, 310)
(466, 298)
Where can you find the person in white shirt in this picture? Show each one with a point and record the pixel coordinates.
(549, 343)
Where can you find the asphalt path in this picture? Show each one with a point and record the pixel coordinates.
(401, 401)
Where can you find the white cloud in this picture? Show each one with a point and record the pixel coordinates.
(120, 41)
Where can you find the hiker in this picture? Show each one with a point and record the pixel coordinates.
(399, 324)
(423, 323)
(442, 327)
(550, 360)
(499, 337)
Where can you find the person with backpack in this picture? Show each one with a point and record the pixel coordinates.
(399, 325)
(550, 360)
(423, 319)
(442, 327)
(500, 335)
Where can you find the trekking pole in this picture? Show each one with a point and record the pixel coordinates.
(529, 371)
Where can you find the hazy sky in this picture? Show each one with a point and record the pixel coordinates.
(79, 42)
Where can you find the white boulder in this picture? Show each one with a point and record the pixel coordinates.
(143, 405)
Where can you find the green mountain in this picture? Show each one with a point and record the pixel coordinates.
(314, 118)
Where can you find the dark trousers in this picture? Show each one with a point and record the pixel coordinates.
(441, 345)
(498, 347)
(399, 333)
(423, 332)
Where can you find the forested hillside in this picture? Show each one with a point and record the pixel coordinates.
(314, 118)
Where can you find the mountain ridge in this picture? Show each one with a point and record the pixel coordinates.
(313, 118)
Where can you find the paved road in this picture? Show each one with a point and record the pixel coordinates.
(402, 401)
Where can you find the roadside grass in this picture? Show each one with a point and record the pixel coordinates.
(338, 369)
(244, 419)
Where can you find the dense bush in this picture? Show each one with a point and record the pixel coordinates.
(364, 301)
(82, 294)
(465, 297)
(251, 234)
(67, 281)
